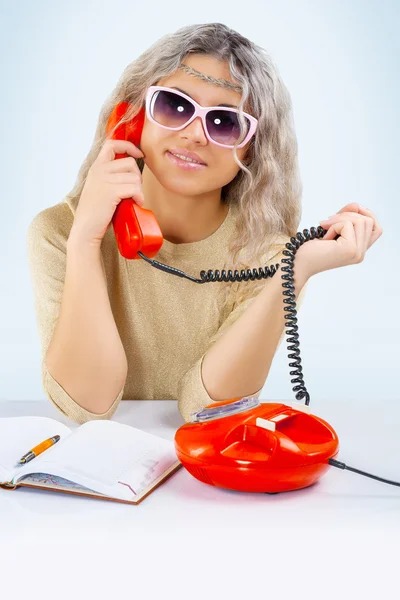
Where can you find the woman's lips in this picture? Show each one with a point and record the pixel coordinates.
(184, 164)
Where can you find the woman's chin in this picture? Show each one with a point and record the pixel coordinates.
(182, 185)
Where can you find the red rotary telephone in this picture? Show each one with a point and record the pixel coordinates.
(245, 445)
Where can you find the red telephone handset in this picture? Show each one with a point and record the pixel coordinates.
(135, 228)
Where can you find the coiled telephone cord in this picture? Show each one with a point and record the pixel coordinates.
(263, 273)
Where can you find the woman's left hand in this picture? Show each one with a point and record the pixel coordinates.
(358, 229)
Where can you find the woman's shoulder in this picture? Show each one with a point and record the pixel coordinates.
(52, 223)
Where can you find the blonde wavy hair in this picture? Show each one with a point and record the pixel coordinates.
(267, 189)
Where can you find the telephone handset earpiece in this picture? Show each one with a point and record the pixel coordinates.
(136, 229)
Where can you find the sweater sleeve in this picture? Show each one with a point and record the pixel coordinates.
(46, 249)
(192, 394)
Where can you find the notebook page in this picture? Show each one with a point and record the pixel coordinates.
(19, 434)
(108, 457)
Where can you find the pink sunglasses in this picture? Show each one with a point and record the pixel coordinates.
(172, 109)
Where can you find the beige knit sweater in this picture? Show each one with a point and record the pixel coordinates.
(166, 323)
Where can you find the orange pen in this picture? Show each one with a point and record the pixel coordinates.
(39, 449)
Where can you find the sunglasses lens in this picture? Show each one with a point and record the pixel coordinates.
(224, 126)
(169, 109)
(172, 110)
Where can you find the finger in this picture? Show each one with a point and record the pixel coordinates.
(129, 190)
(330, 234)
(342, 228)
(347, 216)
(376, 228)
(359, 231)
(369, 224)
(357, 208)
(352, 236)
(362, 210)
(127, 164)
(112, 147)
(352, 207)
(123, 178)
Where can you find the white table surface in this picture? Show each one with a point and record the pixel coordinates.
(338, 538)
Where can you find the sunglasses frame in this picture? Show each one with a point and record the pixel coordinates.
(199, 111)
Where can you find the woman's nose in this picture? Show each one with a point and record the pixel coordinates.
(195, 131)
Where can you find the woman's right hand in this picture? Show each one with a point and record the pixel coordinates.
(107, 183)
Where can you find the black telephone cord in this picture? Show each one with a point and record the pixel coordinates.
(264, 273)
(341, 465)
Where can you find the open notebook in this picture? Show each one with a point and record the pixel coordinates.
(101, 458)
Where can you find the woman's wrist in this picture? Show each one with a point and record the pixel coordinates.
(77, 240)
(301, 267)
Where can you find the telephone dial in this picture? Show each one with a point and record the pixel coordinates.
(238, 444)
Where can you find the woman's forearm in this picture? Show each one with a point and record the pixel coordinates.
(85, 355)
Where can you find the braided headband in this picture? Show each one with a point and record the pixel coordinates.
(221, 82)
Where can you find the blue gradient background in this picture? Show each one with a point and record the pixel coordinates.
(339, 60)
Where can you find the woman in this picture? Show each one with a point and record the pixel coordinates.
(113, 328)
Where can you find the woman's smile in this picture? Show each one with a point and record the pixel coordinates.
(185, 164)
